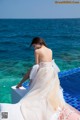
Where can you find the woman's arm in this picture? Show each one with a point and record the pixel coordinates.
(26, 76)
(36, 53)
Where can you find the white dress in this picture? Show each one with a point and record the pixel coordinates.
(44, 101)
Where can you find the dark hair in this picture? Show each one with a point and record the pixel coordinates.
(38, 40)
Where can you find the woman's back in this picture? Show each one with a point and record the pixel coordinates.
(45, 54)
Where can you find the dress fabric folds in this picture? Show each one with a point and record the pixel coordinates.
(44, 100)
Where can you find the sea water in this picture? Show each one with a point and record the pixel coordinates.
(16, 57)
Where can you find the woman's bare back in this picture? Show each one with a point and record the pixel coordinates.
(44, 54)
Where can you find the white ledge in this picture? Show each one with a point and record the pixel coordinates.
(17, 93)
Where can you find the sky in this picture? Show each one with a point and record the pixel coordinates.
(38, 9)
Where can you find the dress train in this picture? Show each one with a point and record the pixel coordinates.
(45, 100)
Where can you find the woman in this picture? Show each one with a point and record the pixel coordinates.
(45, 100)
(44, 51)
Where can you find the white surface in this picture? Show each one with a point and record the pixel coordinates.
(17, 93)
(13, 110)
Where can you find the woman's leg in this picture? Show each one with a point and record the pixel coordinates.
(26, 76)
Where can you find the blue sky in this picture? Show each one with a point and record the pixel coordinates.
(37, 9)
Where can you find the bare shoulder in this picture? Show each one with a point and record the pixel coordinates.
(50, 49)
(36, 51)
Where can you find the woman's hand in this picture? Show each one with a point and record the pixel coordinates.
(26, 76)
(19, 85)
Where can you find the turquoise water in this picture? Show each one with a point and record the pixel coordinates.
(61, 35)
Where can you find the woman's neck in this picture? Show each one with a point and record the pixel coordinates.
(42, 46)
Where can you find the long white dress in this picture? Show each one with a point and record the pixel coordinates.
(44, 101)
